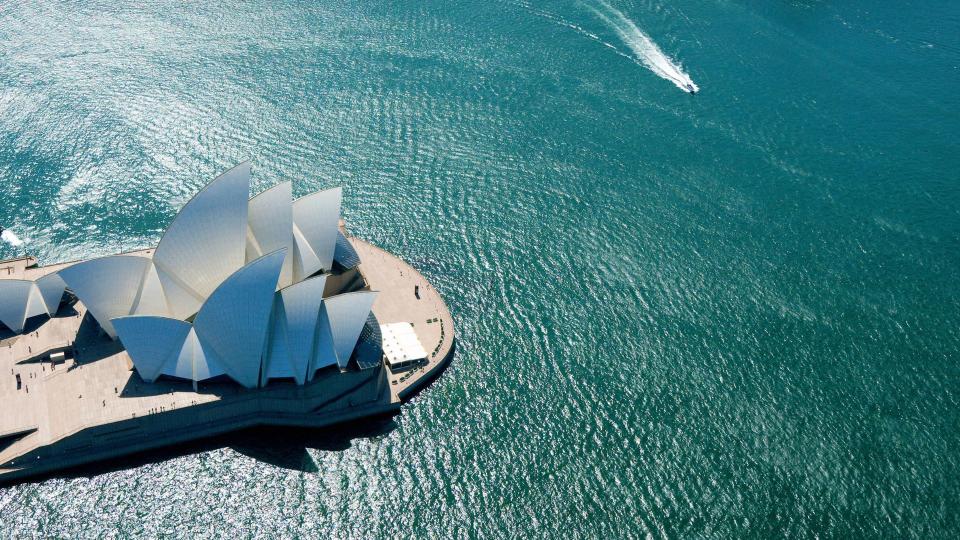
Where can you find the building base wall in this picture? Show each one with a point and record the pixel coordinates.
(337, 398)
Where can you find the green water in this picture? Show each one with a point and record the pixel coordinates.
(726, 315)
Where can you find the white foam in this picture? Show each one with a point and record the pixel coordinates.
(556, 19)
(10, 238)
(645, 50)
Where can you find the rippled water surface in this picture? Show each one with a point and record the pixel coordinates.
(723, 315)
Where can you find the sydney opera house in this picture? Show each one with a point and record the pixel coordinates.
(249, 311)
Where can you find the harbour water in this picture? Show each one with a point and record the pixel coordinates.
(729, 314)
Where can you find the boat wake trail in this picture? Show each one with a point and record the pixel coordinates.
(645, 50)
(10, 238)
(556, 19)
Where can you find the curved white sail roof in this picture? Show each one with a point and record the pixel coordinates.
(21, 299)
(181, 302)
(108, 286)
(325, 353)
(270, 227)
(293, 330)
(51, 287)
(276, 359)
(232, 324)
(190, 355)
(35, 305)
(347, 313)
(206, 241)
(315, 219)
(151, 299)
(165, 346)
(152, 342)
(194, 362)
(240, 270)
(15, 295)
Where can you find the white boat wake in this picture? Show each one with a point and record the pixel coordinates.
(645, 50)
(10, 238)
(556, 19)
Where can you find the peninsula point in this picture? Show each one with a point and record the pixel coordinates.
(249, 312)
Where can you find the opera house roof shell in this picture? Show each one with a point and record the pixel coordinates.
(234, 288)
(21, 299)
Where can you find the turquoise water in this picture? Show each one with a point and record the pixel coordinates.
(733, 314)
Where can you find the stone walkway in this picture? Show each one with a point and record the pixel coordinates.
(397, 302)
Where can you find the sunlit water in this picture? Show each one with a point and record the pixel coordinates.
(723, 315)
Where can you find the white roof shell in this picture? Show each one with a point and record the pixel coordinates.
(347, 314)
(230, 331)
(232, 325)
(293, 339)
(206, 241)
(17, 298)
(152, 342)
(21, 299)
(150, 297)
(227, 335)
(315, 219)
(221, 262)
(325, 353)
(270, 227)
(51, 288)
(194, 362)
(108, 286)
